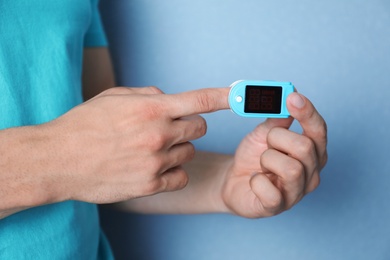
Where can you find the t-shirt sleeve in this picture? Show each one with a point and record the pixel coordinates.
(95, 36)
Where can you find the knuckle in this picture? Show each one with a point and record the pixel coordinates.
(204, 102)
(155, 165)
(184, 183)
(324, 128)
(187, 153)
(174, 179)
(109, 91)
(202, 126)
(190, 152)
(156, 142)
(314, 183)
(154, 90)
(159, 141)
(182, 180)
(294, 171)
(321, 132)
(117, 91)
(152, 111)
(265, 157)
(274, 131)
(274, 134)
(305, 146)
(324, 160)
(270, 136)
(273, 204)
(155, 186)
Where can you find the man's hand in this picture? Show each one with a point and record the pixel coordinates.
(122, 144)
(126, 143)
(274, 168)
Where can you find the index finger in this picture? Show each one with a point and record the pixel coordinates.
(313, 124)
(198, 101)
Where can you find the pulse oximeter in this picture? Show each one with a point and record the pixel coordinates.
(253, 98)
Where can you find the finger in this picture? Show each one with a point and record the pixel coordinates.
(197, 102)
(173, 179)
(259, 134)
(188, 128)
(297, 146)
(313, 125)
(290, 175)
(313, 183)
(173, 176)
(178, 155)
(269, 197)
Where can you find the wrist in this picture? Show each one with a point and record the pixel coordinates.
(216, 166)
(223, 176)
(27, 170)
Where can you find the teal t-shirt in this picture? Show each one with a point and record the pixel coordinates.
(41, 46)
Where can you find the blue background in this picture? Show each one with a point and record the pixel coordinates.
(337, 53)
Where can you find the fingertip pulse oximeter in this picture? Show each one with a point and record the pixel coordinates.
(254, 98)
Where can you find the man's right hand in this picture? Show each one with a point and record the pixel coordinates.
(122, 144)
(128, 142)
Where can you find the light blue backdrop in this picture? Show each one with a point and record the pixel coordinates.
(337, 53)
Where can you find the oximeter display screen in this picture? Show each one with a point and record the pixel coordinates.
(263, 99)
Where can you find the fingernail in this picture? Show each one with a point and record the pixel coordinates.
(297, 100)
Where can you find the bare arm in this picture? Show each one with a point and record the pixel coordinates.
(28, 169)
(27, 173)
(201, 195)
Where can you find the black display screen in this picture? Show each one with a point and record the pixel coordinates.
(263, 99)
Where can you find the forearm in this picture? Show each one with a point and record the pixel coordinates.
(26, 178)
(201, 195)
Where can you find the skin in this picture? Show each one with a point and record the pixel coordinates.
(110, 149)
(271, 171)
